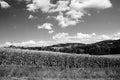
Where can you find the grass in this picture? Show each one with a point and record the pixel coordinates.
(19, 64)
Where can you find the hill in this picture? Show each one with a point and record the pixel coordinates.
(106, 47)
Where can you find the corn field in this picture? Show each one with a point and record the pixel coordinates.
(17, 62)
(54, 59)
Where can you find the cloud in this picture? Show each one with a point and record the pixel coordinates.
(60, 6)
(29, 43)
(65, 21)
(61, 38)
(69, 12)
(84, 38)
(78, 8)
(60, 35)
(4, 4)
(51, 31)
(75, 14)
(8, 43)
(44, 5)
(73, 10)
(30, 17)
(47, 26)
(97, 4)
(79, 37)
(116, 35)
(64, 5)
(105, 37)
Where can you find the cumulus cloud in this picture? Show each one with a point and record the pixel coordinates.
(51, 31)
(60, 6)
(79, 37)
(31, 17)
(4, 4)
(73, 10)
(47, 26)
(78, 8)
(97, 4)
(65, 21)
(84, 38)
(44, 5)
(60, 35)
(29, 43)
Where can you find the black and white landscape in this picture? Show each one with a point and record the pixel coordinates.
(59, 40)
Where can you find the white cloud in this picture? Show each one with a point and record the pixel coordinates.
(97, 4)
(62, 38)
(51, 31)
(8, 43)
(75, 14)
(82, 36)
(4, 4)
(29, 43)
(79, 37)
(61, 6)
(65, 21)
(116, 35)
(47, 26)
(72, 11)
(31, 7)
(44, 5)
(78, 8)
(105, 37)
(60, 35)
(66, 36)
(32, 17)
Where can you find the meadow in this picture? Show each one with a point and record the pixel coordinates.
(18, 64)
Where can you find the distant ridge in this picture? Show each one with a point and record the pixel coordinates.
(105, 47)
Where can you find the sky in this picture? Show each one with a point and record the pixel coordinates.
(45, 22)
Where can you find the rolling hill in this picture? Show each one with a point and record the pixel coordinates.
(106, 47)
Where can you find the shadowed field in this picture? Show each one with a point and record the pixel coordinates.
(17, 64)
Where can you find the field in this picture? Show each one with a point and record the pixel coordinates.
(17, 64)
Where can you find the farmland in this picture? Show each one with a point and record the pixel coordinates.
(18, 64)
